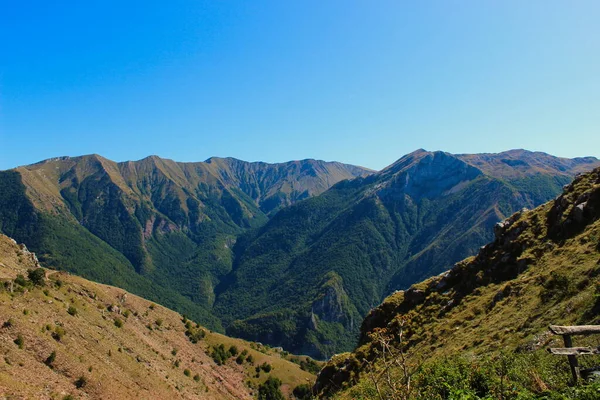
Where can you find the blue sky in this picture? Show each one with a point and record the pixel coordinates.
(361, 82)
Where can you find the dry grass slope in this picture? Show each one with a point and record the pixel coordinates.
(148, 356)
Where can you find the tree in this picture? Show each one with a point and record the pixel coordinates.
(270, 390)
(37, 276)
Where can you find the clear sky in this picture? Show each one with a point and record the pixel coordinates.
(361, 82)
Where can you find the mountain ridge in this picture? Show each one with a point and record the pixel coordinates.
(378, 234)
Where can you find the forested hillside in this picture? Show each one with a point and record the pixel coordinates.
(307, 277)
(480, 330)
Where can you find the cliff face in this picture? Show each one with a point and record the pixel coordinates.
(542, 268)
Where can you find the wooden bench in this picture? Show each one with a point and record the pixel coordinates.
(572, 352)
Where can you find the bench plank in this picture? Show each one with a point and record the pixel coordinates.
(574, 351)
(575, 330)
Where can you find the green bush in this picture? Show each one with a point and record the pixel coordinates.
(80, 382)
(303, 392)
(50, 360)
(58, 333)
(233, 350)
(266, 367)
(187, 372)
(19, 341)
(20, 280)
(37, 276)
(197, 378)
(72, 311)
(219, 355)
(270, 390)
(118, 322)
(194, 334)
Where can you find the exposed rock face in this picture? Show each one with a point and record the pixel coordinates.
(333, 305)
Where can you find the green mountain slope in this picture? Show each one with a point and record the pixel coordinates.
(155, 227)
(307, 277)
(480, 330)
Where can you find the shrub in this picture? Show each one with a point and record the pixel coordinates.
(19, 341)
(118, 322)
(72, 311)
(219, 355)
(8, 323)
(174, 352)
(20, 280)
(270, 390)
(81, 382)
(302, 392)
(58, 333)
(158, 322)
(187, 372)
(265, 367)
(194, 334)
(250, 359)
(37, 276)
(50, 359)
(240, 359)
(197, 378)
(233, 350)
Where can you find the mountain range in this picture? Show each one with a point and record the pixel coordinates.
(291, 254)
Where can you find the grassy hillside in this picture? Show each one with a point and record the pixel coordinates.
(67, 337)
(377, 234)
(480, 330)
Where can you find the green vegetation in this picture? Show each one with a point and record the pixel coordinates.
(480, 331)
(306, 279)
(270, 390)
(50, 360)
(58, 333)
(80, 382)
(303, 392)
(219, 355)
(19, 341)
(37, 276)
(72, 311)
(118, 322)
(304, 275)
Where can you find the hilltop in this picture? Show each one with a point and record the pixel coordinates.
(73, 337)
(490, 312)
